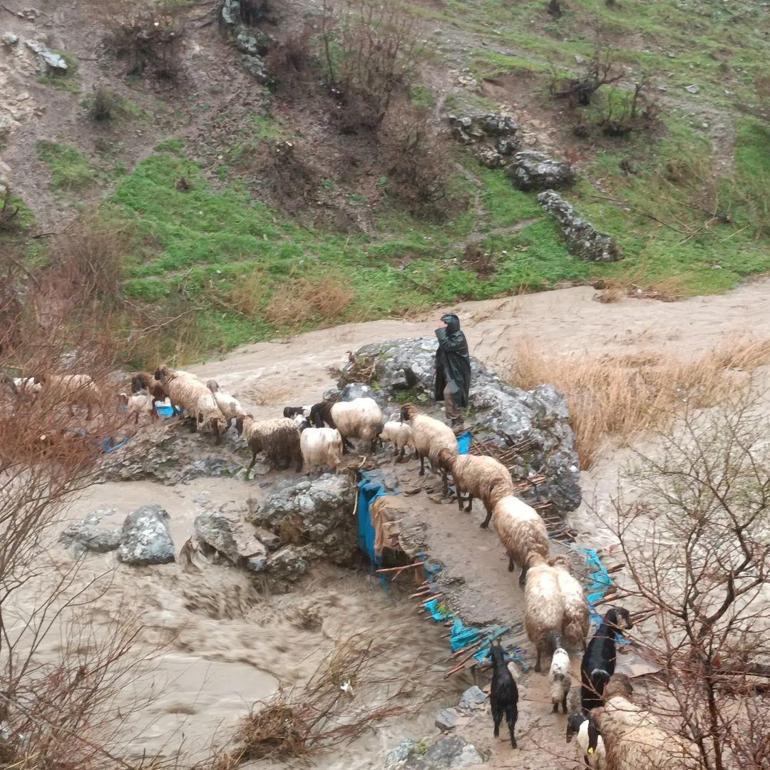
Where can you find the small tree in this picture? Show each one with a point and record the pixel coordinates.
(696, 544)
(601, 70)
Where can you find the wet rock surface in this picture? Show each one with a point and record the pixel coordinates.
(447, 752)
(583, 239)
(145, 538)
(535, 421)
(316, 516)
(531, 170)
(493, 137)
(226, 533)
(88, 535)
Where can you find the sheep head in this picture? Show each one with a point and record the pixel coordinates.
(618, 619)
(446, 459)
(408, 412)
(212, 385)
(619, 684)
(573, 725)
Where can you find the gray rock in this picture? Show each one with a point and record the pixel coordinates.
(396, 757)
(255, 66)
(447, 752)
(6, 124)
(316, 514)
(231, 13)
(583, 239)
(472, 698)
(145, 538)
(9, 39)
(693, 89)
(87, 535)
(446, 720)
(532, 170)
(269, 539)
(490, 157)
(232, 538)
(494, 136)
(51, 59)
(287, 565)
(536, 420)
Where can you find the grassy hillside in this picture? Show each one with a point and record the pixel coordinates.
(217, 227)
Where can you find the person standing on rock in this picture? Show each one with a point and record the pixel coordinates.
(453, 369)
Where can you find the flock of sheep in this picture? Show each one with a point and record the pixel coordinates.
(613, 733)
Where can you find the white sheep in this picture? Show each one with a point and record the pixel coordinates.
(76, 389)
(544, 608)
(321, 448)
(278, 438)
(138, 404)
(559, 679)
(430, 436)
(576, 616)
(635, 739)
(25, 386)
(189, 392)
(482, 477)
(522, 531)
(399, 434)
(360, 418)
(229, 405)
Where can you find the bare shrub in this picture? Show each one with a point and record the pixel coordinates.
(417, 163)
(344, 698)
(103, 105)
(602, 69)
(248, 294)
(618, 397)
(149, 42)
(303, 300)
(694, 538)
(629, 111)
(289, 64)
(377, 54)
(9, 211)
(291, 178)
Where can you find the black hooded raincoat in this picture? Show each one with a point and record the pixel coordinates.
(453, 362)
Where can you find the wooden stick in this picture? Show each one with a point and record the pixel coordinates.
(399, 569)
(421, 592)
(429, 599)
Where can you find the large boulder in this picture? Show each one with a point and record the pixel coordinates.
(233, 538)
(531, 170)
(583, 239)
(145, 538)
(535, 421)
(317, 515)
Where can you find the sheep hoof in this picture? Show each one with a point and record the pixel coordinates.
(485, 525)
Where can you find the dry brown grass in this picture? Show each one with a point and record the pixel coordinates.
(299, 302)
(248, 294)
(622, 396)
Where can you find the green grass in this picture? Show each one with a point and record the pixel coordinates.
(66, 81)
(70, 169)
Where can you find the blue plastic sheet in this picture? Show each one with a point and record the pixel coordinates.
(599, 584)
(464, 441)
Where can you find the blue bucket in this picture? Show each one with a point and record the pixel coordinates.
(164, 410)
(464, 443)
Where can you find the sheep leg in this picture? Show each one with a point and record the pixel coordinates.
(485, 524)
(555, 708)
(497, 715)
(422, 465)
(511, 715)
(445, 478)
(523, 576)
(470, 503)
(459, 498)
(563, 704)
(538, 667)
(251, 465)
(511, 563)
(401, 453)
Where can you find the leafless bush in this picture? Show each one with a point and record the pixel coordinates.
(695, 544)
(102, 105)
(602, 69)
(290, 62)
(345, 697)
(629, 111)
(377, 54)
(324, 299)
(149, 42)
(417, 163)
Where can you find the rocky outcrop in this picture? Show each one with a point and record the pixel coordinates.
(173, 457)
(493, 137)
(52, 61)
(448, 752)
(232, 538)
(314, 516)
(583, 239)
(145, 538)
(535, 421)
(252, 43)
(532, 170)
(87, 535)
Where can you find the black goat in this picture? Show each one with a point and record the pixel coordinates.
(293, 411)
(504, 695)
(321, 414)
(599, 659)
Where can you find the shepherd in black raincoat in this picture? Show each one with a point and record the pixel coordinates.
(453, 369)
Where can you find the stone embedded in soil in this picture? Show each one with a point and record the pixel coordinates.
(583, 239)
(537, 419)
(531, 170)
(287, 565)
(317, 514)
(87, 535)
(472, 698)
(9, 39)
(145, 538)
(446, 720)
(450, 751)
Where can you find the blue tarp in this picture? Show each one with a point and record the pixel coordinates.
(370, 487)
(599, 584)
(464, 441)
